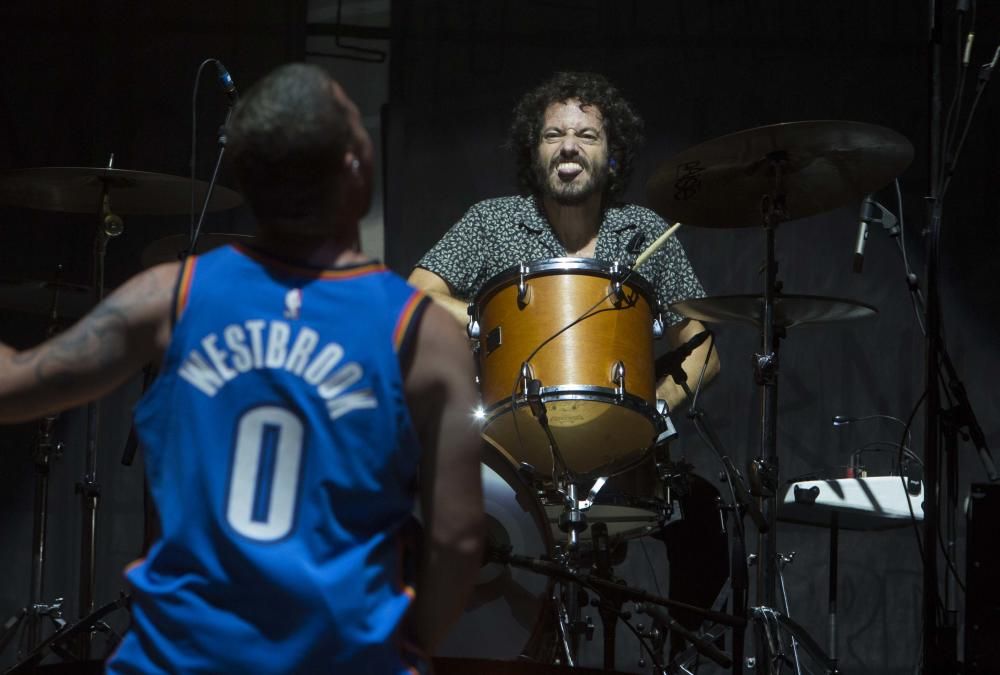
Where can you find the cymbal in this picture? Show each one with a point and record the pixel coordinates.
(168, 249)
(789, 310)
(825, 164)
(35, 297)
(77, 189)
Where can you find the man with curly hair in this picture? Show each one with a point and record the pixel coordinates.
(575, 139)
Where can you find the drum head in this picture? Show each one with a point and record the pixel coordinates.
(596, 438)
(506, 603)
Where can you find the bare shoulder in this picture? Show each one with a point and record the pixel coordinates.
(146, 300)
(441, 353)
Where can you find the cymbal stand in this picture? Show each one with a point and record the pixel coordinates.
(742, 504)
(109, 226)
(30, 617)
(765, 468)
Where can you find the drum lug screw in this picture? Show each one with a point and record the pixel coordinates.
(751, 559)
(472, 329)
(658, 326)
(618, 378)
(751, 662)
(522, 286)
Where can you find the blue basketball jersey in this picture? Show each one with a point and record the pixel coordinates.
(282, 460)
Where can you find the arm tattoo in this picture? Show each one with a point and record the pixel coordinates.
(98, 339)
(98, 342)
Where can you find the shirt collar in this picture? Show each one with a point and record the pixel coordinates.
(531, 215)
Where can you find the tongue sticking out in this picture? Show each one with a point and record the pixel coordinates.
(569, 170)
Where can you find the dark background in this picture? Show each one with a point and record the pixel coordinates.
(83, 81)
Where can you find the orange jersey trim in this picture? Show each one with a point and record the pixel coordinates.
(184, 286)
(311, 272)
(405, 317)
(135, 563)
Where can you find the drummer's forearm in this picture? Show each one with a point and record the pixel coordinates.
(675, 394)
(671, 392)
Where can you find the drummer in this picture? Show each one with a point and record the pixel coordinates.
(575, 138)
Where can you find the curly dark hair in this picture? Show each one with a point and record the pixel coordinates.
(287, 140)
(622, 126)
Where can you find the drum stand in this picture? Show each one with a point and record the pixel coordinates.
(110, 226)
(30, 617)
(765, 469)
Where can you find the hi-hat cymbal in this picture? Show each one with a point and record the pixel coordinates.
(824, 164)
(789, 310)
(36, 297)
(169, 249)
(77, 189)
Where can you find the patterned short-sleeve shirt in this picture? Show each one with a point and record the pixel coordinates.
(497, 234)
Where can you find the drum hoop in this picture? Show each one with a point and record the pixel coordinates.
(547, 266)
(579, 392)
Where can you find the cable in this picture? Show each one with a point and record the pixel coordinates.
(911, 279)
(947, 133)
(909, 505)
(649, 562)
(194, 137)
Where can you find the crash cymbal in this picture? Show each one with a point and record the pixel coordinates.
(789, 310)
(78, 190)
(36, 297)
(825, 164)
(170, 249)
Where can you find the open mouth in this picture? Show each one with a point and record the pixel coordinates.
(567, 171)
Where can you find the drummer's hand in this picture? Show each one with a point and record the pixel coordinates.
(127, 330)
(439, 291)
(676, 336)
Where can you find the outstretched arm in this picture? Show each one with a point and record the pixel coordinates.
(130, 328)
(441, 393)
(438, 289)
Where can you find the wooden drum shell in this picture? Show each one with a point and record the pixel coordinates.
(599, 429)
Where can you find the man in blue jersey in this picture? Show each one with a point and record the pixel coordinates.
(306, 396)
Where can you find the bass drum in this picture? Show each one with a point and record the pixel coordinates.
(506, 606)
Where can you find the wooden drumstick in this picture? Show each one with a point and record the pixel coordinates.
(660, 241)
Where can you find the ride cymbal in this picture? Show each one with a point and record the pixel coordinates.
(824, 164)
(789, 310)
(79, 190)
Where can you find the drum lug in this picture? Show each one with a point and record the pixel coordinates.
(658, 326)
(616, 283)
(472, 328)
(618, 379)
(527, 375)
(522, 285)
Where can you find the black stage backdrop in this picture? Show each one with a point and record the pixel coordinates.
(696, 71)
(80, 81)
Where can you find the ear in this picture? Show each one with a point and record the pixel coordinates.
(352, 165)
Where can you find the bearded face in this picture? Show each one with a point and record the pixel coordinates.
(571, 160)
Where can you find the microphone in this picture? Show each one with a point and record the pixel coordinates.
(866, 216)
(670, 363)
(226, 80)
